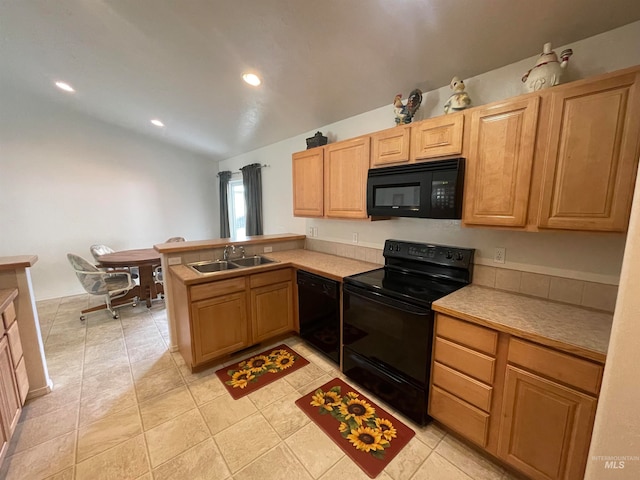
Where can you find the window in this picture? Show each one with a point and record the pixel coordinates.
(237, 213)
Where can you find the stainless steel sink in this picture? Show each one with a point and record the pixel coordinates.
(212, 267)
(253, 261)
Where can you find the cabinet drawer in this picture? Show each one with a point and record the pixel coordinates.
(467, 334)
(22, 380)
(476, 393)
(215, 289)
(465, 360)
(268, 278)
(565, 368)
(15, 345)
(9, 315)
(470, 422)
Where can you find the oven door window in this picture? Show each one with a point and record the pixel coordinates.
(388, 332)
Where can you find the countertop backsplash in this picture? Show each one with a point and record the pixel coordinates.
(594, 295)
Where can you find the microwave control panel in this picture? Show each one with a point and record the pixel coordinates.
(443, 194)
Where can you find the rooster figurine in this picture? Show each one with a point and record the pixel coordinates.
(405, 113)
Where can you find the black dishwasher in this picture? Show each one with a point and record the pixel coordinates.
(319, 313)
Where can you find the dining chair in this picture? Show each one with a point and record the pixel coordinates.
(99, 249)
(111, 284)
(157, 272)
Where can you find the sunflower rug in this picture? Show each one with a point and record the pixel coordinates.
(368, 434)
(259, 370)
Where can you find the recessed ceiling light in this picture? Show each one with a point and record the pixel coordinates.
(65, 86)
(157, 122)
(252, 79)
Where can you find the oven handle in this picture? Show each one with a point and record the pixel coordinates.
(386, 301)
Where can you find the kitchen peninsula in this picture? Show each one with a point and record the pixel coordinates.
(255, 303)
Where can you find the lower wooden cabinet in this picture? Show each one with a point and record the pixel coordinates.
(219, 326)
(10, 406)
(221, 317)
(529, 405)
(271, 310)
(14, 384)
(546, 427)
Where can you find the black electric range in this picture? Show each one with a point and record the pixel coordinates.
(388, 321)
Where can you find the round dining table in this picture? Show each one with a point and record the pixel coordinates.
(146, 259)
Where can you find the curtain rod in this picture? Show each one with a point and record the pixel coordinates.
(237, 172)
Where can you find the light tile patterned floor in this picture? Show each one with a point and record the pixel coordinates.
(124, 407)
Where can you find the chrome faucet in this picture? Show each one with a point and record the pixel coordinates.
(230, 250)
(227, 249)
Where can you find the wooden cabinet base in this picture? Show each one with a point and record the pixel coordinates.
(546, 427)
(222, 317)
(532, 407)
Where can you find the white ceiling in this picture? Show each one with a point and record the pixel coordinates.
(321, 61)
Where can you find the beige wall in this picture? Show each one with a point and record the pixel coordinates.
(68, 181)
(617, 427)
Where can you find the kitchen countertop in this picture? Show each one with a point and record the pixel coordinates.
(330, 266)
(569, 328)
(194, 245)
(17, 262)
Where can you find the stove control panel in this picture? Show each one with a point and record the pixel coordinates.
(429, 253)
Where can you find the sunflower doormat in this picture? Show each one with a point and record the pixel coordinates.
(259, 370)
(369, 435)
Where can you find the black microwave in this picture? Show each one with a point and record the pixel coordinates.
(421, 190)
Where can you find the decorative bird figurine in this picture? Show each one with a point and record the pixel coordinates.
(459, 99)
(404, 113)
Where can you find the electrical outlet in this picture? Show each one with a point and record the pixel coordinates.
(268, 249)
(311, 231)
(175, 260)
(499, 254)
(354, 237)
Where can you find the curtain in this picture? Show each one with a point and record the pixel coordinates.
(252, 182)
(224, 178)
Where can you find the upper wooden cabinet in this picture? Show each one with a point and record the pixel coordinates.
(591, 154)
(390, 147)
(437, 137)
(567, 162)
(308, 183)
(419, 141)
(499, 160)
(345, 178)
(561, 158)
